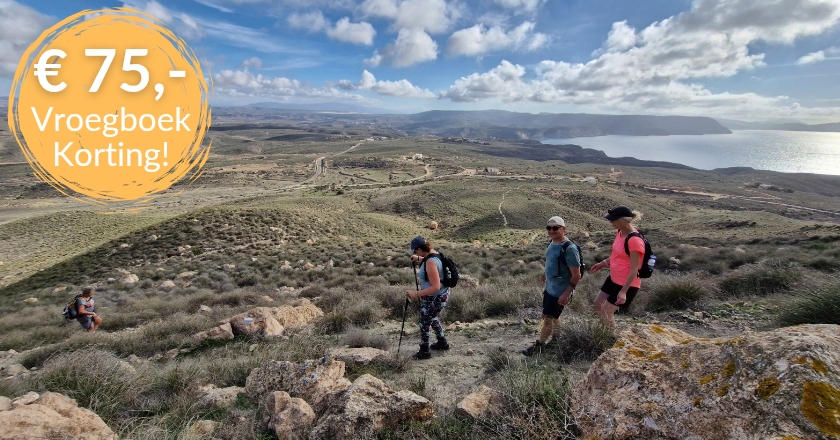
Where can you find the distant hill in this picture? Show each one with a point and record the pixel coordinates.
(789, 126)
(324, 107)
(512, 125)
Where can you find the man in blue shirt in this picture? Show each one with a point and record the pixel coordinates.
(562, 273)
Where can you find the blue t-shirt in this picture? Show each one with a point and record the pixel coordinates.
(557, 274)
(424, 281)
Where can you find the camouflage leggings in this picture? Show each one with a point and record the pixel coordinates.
(429, 310)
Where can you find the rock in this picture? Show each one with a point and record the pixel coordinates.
(228, 266)
(134, 360)
(129, 278)
(31, 300)
(25, 399)
(168, 284)
(59, 289)
(153, 237)
(590, 245)
(202, 428)
(524, 242)
(257, 323)
(221, 397)
(204, 310)
(51, 415)
(312, 380)
(14, 369)
(266, 298)
(188, 275)
(433, 225)
(582, 235)
(367, 407)
(220, 333)
(289, 417)
(5, 403)
(477, 404)
(124, 245)
(659, 382)
(363, 355)
(171, 354)
(674, 263)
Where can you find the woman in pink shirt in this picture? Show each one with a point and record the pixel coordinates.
(621, 286)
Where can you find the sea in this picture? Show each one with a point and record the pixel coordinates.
(784, 151)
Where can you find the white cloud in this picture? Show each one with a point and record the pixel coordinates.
(19, 26)
(402, 88)
(375, 60)
(432, 16)
(521, 5)
(243, 83)
(247, 38)
(478, 39)
(812, 58)
(655, 70)
(356, 33)
(182, 24)
(412, 46)
(253, 62)
(311, 21)
(344, 30)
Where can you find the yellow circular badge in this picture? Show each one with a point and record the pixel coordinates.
(110, 106)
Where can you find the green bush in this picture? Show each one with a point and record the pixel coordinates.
(582, 339)
(677, 293)
(819, 306)
(759, 279)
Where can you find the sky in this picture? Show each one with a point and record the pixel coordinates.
(752, 60)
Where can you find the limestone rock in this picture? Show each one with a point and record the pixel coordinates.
(31, 300)
(5, 403)
(222, 332)
(467, 281)
(658, 383)
(204, 310)
(59, 289)
(190, 274)
(298, 313)
(363, 355)
(257, 323)
(433, 225)
(367, 407)
(202, 429)
(289, 417)
(212, 396)
(168, 284)
(51, 415)
(478, 404)
(129, 278)
(312, 380)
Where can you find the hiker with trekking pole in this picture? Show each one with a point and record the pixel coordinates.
(432, 294)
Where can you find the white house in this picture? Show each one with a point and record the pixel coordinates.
(765, 186)
(590, 179)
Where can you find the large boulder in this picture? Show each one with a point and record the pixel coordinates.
(367, 407)
(51, 415)
(479, 403)
(270, 321)
(360, 355)
(661, 383)
(222, 332)
(212, 396)
(289, 417)
(316, 381)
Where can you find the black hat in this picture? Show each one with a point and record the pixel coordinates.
(618, 212)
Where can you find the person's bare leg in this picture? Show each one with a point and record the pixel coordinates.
(548, 324)
(95, 323)
(606, 311)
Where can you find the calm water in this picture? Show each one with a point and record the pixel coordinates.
(786, 151)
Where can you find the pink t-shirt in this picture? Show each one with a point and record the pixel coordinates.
(620, 262)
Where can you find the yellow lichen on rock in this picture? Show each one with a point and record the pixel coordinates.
(819, 366)
(767, 387)
(636, 352)
(656, 356)
(724, 390)
(707, 379)
(657, 329)
(729, 369)
(619, 344)
(821, 405)
(697, 401)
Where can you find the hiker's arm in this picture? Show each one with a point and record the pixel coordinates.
(434, 279)
(567, 294)
(80, 309)
(635, 259)
(601, 265)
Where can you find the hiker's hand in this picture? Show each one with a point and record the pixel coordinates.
(409, 293)
(598, 267)
(542, 278)
(416, 258)
(622, 297)
(564, 299)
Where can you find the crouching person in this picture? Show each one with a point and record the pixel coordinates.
(433, 296)
(85, 308)
(562, 273)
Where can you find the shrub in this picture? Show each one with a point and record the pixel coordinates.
(582, 339)
(818, 306)
(357, 338)
(677, 293)
(759, 279)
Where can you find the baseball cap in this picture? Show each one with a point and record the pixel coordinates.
(557, 220)
(618, 212)
(416, 243)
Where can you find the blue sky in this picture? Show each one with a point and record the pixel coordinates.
(739, 59)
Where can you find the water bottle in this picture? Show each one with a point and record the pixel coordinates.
(651, 262)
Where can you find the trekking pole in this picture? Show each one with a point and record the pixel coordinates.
(405, 307)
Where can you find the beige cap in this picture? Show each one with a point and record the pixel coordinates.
(557, 220)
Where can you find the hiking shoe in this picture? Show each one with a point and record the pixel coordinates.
(534, 349)
(441, 344)
(424, 352)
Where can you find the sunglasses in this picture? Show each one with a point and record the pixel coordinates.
(552, 228)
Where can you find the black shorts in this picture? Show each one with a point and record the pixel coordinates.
(550, 306)
(612, 289)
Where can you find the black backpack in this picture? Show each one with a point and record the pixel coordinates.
(70, 310)
(562, 258)
(449, 277)
(648, 260)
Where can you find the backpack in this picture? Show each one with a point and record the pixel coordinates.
(648, 260)
(70, 310)
(562, 258)
(449, 277)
